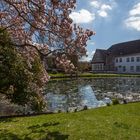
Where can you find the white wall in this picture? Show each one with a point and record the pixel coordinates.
(98, 67)
(128, 65)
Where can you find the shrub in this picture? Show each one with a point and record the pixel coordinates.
(108, 104)
(21, 80)
(115, 101)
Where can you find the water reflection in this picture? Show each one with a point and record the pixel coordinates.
(84, 97)
(71, 95)
(88, 97)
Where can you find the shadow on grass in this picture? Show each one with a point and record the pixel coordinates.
(43, 125)
(56, 136)
(7, 120)
(41, 129)
(5, 135)
(39, 132)
(121, 125)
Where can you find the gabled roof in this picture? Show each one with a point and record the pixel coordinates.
(99, 56)
(120, 49)
(125, 48)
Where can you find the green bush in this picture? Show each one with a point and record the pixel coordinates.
(108, 104)
(19, 82)
(115, 101)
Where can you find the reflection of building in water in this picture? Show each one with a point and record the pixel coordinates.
(88, 97)
(73, 101)
(127, 85)
(123, 85)
(63, 95)
(120, 58)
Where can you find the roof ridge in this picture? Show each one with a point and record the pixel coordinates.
(131, 41)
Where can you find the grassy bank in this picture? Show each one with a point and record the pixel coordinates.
(62, 75)
(120, 122)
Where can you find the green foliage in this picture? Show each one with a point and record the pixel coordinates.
(37, 69)
(13, 75)
(108, 104)
(115, 101)
(18, 82)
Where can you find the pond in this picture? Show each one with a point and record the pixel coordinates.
(77, 94)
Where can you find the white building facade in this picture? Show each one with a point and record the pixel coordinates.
(96, 67)
(119, 58)
(128, 63)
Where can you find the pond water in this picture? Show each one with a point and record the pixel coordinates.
(77, 94)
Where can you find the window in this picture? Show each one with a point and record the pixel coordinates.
(137, 68)
(127, 59)
(131, 68)
(97, 67)
(116, 60)
(101, 66)
(124, 68)
(120, 59)
(138, 59)
(94, 67)
(132, 59)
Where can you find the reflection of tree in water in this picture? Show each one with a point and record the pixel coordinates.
(64, 94)
(62, 86)
(70, 87)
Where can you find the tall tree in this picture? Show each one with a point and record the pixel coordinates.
(46, 26)
(41, 27)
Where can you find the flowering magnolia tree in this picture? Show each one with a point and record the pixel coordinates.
(43, 27)
(46, 26)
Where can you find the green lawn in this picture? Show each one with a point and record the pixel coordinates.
(62, 75)
(120, 122)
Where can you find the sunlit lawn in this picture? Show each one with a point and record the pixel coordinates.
(94, 75)
(119, 122)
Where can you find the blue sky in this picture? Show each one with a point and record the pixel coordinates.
(114, 21)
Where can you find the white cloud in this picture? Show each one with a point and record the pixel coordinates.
(102, 13)
(82, 16)
(91, 42)
(133, 21)
(135, 10)
(102, 9)
(88, 57)
(95, 4)
(92, 53)
(106, 7)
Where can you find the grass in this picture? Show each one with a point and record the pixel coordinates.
(119, 122)
(57, 74)
(62, 75)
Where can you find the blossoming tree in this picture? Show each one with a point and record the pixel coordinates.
(43, 27)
